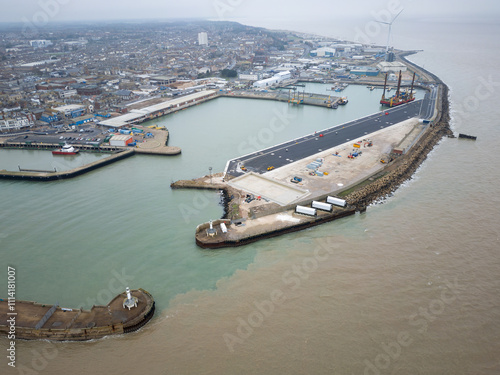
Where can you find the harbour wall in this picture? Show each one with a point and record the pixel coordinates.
(404, 168)
(51, 176)
(60, 324)
(244, 240)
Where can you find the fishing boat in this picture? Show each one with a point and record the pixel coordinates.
(66, 150)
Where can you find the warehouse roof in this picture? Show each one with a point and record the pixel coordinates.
(135, 114)
(120, 137)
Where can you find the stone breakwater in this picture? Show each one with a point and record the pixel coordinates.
(404, 168)
(230, 196)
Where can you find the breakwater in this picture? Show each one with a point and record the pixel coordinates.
(403, 169)
(230, 196)
(357, 197)
(234, 239)
(51, 176)
(35, 321)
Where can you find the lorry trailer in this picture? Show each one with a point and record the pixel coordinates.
(322, 206)
(336, 201)
(305, 210)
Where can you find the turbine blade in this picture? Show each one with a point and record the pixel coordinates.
(394, 19)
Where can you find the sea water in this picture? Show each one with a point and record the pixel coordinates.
(410, 287)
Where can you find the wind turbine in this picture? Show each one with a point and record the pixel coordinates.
(389, 34)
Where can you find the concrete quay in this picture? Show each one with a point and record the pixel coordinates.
(158, 145)
(51, 176)
(281, 96)
(405, 166)
(241, 233)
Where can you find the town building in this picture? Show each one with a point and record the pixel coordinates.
(369, 71)
(323, 52)
(203, 39)
(274, 80)
(395, 66)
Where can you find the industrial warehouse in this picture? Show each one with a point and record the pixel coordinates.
(136, 116)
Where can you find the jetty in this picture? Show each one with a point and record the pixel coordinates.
(34, 175)
(286, 95)
(127, 312)
(467, 136)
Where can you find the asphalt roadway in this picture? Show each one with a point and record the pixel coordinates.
(300, 148)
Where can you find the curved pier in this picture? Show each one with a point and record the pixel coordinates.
(34, 321)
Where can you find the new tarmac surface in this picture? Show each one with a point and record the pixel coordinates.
(300, 148)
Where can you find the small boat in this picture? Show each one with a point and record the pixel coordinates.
(343, 101)
(66, 150)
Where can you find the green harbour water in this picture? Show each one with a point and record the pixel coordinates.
(69, 239)
(12, 160)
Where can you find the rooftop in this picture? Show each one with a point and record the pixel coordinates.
(138, 113)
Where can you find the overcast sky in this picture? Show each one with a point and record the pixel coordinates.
(44, 11)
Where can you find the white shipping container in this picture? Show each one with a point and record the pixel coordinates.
(322, 206)
(223, 228)
(305, 210)
(336, 201)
